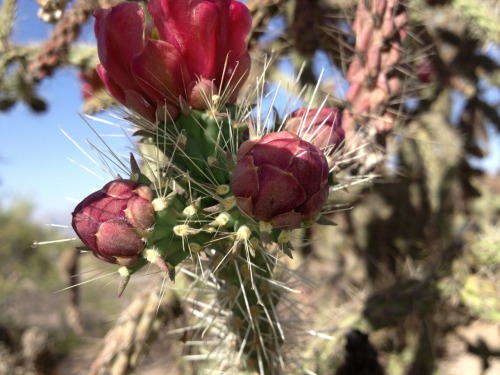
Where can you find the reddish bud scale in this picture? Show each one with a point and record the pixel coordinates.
(321, 127)
(110, 221)
(280, 179)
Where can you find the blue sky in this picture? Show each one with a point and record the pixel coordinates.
(34, 152)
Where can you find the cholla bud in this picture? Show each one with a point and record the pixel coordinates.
(280, 179)
(321, 127)
(110, 221)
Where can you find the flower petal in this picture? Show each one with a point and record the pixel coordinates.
(159, 72)
(312, 207)
(119, 32)
(192, 28)
(235, 76)
(240, 20)
(310, 167)
(137, 103)
(114, 89)
(140, 213)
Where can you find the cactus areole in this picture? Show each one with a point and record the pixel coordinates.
(111, 222)
(280, 179)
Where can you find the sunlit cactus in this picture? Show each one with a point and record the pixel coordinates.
(219, 195)
(349, 114)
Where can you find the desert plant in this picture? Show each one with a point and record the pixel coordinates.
(236, 185)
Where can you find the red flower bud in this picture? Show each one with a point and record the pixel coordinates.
(110, 221)
(148, 67)
(280, 179)
(322, 127)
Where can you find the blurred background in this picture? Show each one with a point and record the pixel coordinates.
(408, 280)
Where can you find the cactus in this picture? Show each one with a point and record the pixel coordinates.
(217, 199)
(410, 262)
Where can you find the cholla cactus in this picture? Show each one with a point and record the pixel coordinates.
(221, 188)
(206, 192)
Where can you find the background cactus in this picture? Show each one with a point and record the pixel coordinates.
(409, 266)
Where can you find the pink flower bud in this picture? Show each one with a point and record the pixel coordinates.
(149, 67)
(280, 179)
(321, 127)
(110, 221)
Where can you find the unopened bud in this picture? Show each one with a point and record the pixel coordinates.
(280, 179)
(112, 221)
